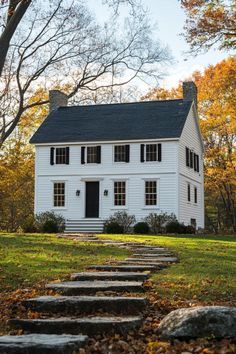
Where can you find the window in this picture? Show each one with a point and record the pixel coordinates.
(59, 194)
(151, 193)
(187, 156)
(121, 153)
(93, 154)
(119, 193)
(195, 195)
(189, 193)
(61, 156)
(192, 159)
(151, 152)
(193, 223)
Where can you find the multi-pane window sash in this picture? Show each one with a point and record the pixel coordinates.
(120, 153)
(92, 154)
(151, 152)
(59, 194)
(151, 192)
(119, 193)
(60, 156)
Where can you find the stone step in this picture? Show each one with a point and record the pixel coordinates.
(123, 268)
(151, 255)
(150, 260)
(83, 276)
(87, 304)
(152, 249)
(157, 265)
(91, 287)
(87, 325)
(41, 344)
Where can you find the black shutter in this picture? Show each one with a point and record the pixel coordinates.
(191, 159)
(82, 155)
(195, 162)
(127, 153)
(98, 154)
(67, 155)
(52, 156)
(142, 152)
(187, 156)
(159, 152)
(197, 156)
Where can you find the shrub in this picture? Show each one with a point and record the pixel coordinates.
(157, 222)
(141, 228)
(112, 227)
(50, 222)
(122, 219)
(174, 227)
(29, 224)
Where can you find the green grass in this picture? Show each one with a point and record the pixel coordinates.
(206, 271)
(28, 259)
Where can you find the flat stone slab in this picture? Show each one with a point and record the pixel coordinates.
(109, 276)
(88, 325)
(155, 265)
(151, 255)
(150, 260)
(88, 287)
(87, 304)
(123, 268)
(200, 322)
(41, 344)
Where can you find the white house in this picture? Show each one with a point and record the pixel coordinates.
(143, 157)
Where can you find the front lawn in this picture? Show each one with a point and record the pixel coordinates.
(26, 260)
(206, 272)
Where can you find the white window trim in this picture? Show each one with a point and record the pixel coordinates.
(55, 155)
(86, 156)
(151, 207)
(66, 195)
(120, 207)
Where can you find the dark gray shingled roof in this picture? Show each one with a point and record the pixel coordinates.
(109, 122)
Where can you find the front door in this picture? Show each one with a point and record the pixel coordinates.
(92, 200)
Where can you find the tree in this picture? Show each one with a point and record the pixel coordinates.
(61, 44)
(217, 111)
(210, 23)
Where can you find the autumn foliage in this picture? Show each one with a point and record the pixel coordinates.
(217, 111)
(209, 23)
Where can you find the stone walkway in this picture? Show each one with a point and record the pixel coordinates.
(93, 302)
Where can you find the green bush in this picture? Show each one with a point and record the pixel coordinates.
(174, 227)
(112, 227)
(123, 219)
(157, 222)
(50, 222)
(29, 224)
(141, 228)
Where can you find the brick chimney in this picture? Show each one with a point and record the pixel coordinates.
(57, 99)
(190, 91)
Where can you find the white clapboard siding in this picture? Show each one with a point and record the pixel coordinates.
(190, 137)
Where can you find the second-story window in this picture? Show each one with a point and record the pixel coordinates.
(120, 193)
(90, 154)
(189, 192)
(60, 156)
(151, 152)
(195, 195)
(121, 153)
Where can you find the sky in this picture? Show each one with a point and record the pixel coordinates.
(170, 18)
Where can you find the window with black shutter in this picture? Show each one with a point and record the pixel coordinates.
(189, 192)
(98, 154)
(142, 146)
(187, 156)
(197, 163)
(191, 159)
(159, 152)
(195, 195)
(93, 154)
(121, 153)
(150, 152)
(60, 156)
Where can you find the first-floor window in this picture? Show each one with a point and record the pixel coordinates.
(189, 192)
(59, 194)
(151, 192)
(119, 193)
(195, 195)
